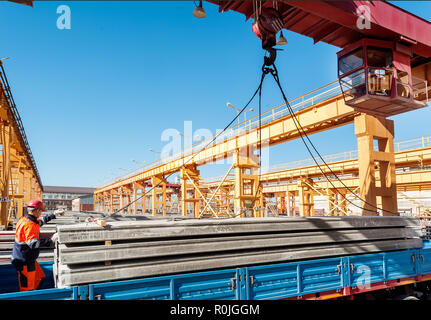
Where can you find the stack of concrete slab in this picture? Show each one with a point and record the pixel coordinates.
(52, 225)
(7, 239)
(88, 253)
(47, 230)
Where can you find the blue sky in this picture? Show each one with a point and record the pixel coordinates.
(96, 96)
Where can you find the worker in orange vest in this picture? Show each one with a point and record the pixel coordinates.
(27, 243)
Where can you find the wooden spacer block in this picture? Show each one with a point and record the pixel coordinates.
(108, 243)
(100, 222)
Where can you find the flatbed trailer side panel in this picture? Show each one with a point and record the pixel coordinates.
(9, 277)
(311, 279)
(210, 285)
(294, 279)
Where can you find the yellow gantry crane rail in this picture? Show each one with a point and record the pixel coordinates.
(410, 153)
(19, 177)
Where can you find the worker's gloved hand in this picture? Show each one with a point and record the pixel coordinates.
(54, 238)
(59, 212)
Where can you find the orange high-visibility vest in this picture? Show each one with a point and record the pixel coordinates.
(27, 241)
(27, 232)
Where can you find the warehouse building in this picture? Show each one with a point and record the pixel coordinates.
(83, 203)
(56, 197)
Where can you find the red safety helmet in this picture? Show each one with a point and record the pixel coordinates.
(36, 204)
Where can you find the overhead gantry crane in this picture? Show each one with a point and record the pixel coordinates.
(19, 178)
(383, 69)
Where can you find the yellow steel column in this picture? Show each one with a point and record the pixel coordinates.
(144, 201)
(183, 194)
(154, 181)
(168, 202)
(367, 129)
(306, 199)
(105, 201)
(21, 194)
(238, 202)
(135, 196)
(96, 201)
(33, 190)
(102, 203)
(120, 193)
(257, 202)
(129, 200)
(161, 183)
(332, 202)
(111, 201)
(244, 160)
(343, 203)
(163, 197)
(27, 188)
(190, 172)
(291, 203)
(5, 135)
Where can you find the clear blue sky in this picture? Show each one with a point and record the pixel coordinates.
(99, 95)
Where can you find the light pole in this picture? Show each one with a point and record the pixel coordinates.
(237, 110)
(139, 163)
(153, 151)
(190, 145)
(245, 112)
(184, 136)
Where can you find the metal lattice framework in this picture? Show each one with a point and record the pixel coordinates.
(19, 177)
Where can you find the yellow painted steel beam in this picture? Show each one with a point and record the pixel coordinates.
(403, 159)
(20, 179)
(406, 181)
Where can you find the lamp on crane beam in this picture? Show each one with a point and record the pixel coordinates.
(199, 11)
(281, 40)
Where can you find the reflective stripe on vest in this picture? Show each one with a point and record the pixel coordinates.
(19, 229)
(21, 223)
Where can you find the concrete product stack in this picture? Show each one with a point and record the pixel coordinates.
(51, 226)
(88, 253)
(7, 239)
(46, 231)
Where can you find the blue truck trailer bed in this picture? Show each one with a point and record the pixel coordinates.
(310, 279)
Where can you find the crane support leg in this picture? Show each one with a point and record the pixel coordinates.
(156, 194)
(306, 197)
(380, 183)
(190, 172)
(247, 188)
(5, 135)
